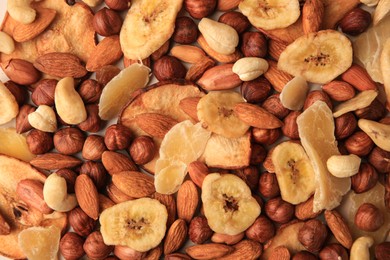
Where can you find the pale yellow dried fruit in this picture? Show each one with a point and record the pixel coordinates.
(294, 93)
(385, 68)
(378, 132)
(361, 100)
(381, 11)
(9, 108)
(14, 144)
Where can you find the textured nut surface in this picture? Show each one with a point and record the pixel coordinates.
(93, 123)
(39, 142)
(43, 93)
(236, 20)
(333, 251)
(142, 150)
(355, 22)
(69, 140)
(365, 179)
(90, 91)
(21, 72)
(312, 235)
(268, 185)
(368, 217)
(95, 248)
(169, 67)
(254, 44)
(186, 30)
(118, 5)
(71, 246)
(43, 118)
(279, 210)
(261, 230)
(80, 222)
(199, 8)
(188, 53)
(199, 230)
(107, 22)
(117, 137)
(93, 147)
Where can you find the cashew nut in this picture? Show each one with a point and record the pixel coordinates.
(21, 11)
(44, 119)
(56, 196)
(7, 44)
(249, 68)
(360, 249)
(343, 166)
(93, 3)
(9, 108)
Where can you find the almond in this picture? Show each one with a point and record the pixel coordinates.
(53, 161)
(339, 90)
(105, 203)
(5, 228)
(312, 15)
(170, 204)
(246, 249)
(304, 210)
(26, 32)
(197, 171)
(223, 58)
(175, 237)
(87, 195)
(275, 48)
(61, 65)
(116, 162)
(115, 194)
(31, 192)
(280, 253)
(188, 53)
(157, 125)
(220, 77)
(227, 5)
(197, 70)
(209, 251)
(358, 77)
(108, 51)
(256, 116)
(134, 184)
(277, 78)
(339, 228)
(188, 105)
(187, 200)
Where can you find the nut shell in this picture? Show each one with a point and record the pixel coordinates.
(80, 222)
(90, 91)
(200, 8)
(254, 44)
(365, 179)
(261, 230)
(236, 20)
(168, 68)
(93, 147)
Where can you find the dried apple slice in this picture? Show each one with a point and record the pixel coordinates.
(14, 145)
(18, 214)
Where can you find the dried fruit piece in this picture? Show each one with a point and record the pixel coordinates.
(228, 204)
(361, 100)
(378, 132)
(139, 224)
(318, 57)
(294, 93)
(316, 130)
(381, 11)
(117, 92)
(9, 108)
(294, 172)
(385, 68)
(14, 144)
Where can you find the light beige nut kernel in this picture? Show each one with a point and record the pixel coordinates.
(360, 249)
(9, 108)
(249, 68)
(7, 44)
(55, 194)
(188, 53)
(21, 11)
(43, 118)
(343, 166)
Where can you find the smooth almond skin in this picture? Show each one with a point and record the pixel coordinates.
(53, 161)
(7, 44)
(87, 195)
(116, 162)
(221, 37)
(220, 77)
(9, 107)
(359, 78)
(256, 116)
(312, 16)
(157, 125)
(187, 200)
(249, 68)
(108, 51)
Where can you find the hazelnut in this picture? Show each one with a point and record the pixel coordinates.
(312, 235)
(236, 20)
(43, 93)
(163, 50)
(290, 126)
(71, 246)
(355, 22)
(273, 105)
(93, 147)
(177, 256)
(258, 154)
(333, 252)
(385, 120)
(250, 175)
(117, 137)
(375, 111)
(107, 22)
(279, 210)
(265, 136)
(380, 159)
(90, 91)
(118, 5)
(186, 30)
(168, 68)
(124, 252)
(365, 179)
(197, 172)
(359, 143)
(70, 2)
(368, 217)
(268, 185)
(200, 8)
(21, 121)
(257, 90)
(316, 95)
(345, 125)
(268, 164)
(304, 255)
(254, 44)
(69, 140)
(70, 178)
(142, 150)
(93, 123)
(80, 222)
(261, 230)
(382, 251)
(275, 48)
(95, 248)
(280, 253)
(39, 142)
(199, 230)
(96, 171)
(227, 239)
(106, 73)
(21, 72)
(20, 93)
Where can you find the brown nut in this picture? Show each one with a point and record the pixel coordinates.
(93, 123)
(236, 20)
(304, 210)
(96, 171)
(258, 154)
(117, 137)
(256, 91)
(163, 50)
(265, 136)
(93, 147)
(200, 8)
(168, 68)
(304, 255)
(359, 143)
(275, 48)
(95, 248)
(355, 22)
(43, 93)
(227, 239)
(290, 126)
(71, 246)
(368, 217)
(254, 44)
(382, 251)
(279, 210)
(333, 252)
(280, 253)
(124, 252)
(197, 172)
(90, 91)
(375, 111)
(186, 30)
(118, 5)
(250, 175)
(70, 178)
(31, 192)
(261, 230)
(380, 159)
(365, 179)
(39, 142)
(199, 230)
(312, 235)
(143, 149)
(20, 93)
(273, 105)
(316, 95)
(21, 121)
(106, 73)
(345, 125)
(339, 90)
(80, 222)
(69, 140)
(107, 22)
(21, 72)
(268, 185)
